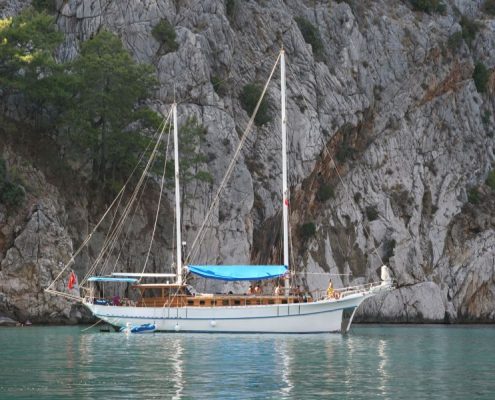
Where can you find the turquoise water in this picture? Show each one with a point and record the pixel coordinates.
(392, 362)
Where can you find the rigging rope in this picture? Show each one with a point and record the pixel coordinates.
(353, 206)
(88, 238)
(159, 203)
(126, 211)
(201, 232)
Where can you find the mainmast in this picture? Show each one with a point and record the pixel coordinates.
(177, 198)
(285, 191)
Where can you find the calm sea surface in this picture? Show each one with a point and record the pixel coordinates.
(391, 362)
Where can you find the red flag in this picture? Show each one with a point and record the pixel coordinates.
(287, 202)
(72, 280)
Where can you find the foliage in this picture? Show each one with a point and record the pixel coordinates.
(469, 29)
(371, 213)
(311, 36)
(95, 102)
(307, 230)
(481, 75)
(230, 6)
(218, 85)
(191, 134)
(3, 172)
(12, 194)
(473, 196)
(489, 7)
(249, 97)
(27, 64)
(490, 180)
(429, 6)
(485, 117)
(325, 192)
(164, 33)
(455, 40)
(101, 119)
(50, 6)
(344, 152)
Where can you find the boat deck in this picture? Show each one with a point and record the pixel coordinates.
(206, 300)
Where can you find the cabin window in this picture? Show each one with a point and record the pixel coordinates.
(225, 302)
(271, 301)
(237, 302)
(201, 302)
(284, 301)
(213, 302)
(190, 302)
(248, 302)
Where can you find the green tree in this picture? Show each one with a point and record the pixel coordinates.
(249, 98)
(191, 135)
(470, 29)
(429, 6)
(311, 36)
(490, 179)
(12, 194)
(489, 7)
(27, 62)
(481, 76)
(103, 119)
(164, 33)
(307, 230)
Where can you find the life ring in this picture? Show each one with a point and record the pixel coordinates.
(336, 295)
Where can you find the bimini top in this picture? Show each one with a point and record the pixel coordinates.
(110, 279)
(238, 272)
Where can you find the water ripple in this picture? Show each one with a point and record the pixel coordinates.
(390, 362)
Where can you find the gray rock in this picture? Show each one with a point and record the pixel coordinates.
(421, 302)
(388, 103)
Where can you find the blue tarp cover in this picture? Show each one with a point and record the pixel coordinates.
(108, 279)
(238, 272)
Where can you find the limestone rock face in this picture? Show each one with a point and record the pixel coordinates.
(39, 249)
(421, 302)
(386, 114)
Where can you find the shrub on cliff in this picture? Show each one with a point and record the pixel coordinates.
(371, 213)
(191, 134)
(470, 29)
(481, 75)
(311, 36)
(489, 7)
(249, 97)
(429, 6)
(307, 230)
(50, 6)
(473, 196)
(12, 194)
(325, 192)
(490, 180)
(164, 33)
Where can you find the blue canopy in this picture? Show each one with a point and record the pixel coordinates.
(238, 272)
(109, 279)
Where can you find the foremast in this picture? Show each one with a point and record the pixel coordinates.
(285, 191)
(177, 197)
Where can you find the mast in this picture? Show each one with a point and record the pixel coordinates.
(177, 198)
(285, 192)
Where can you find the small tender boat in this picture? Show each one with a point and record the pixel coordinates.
(143, 328)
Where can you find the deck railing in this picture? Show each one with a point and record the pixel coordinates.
(225, 300)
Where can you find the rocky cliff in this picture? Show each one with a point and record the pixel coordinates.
(383, 113)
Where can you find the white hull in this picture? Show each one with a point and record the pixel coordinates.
(328, 315)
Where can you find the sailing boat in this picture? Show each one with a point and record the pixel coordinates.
(176, 307)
